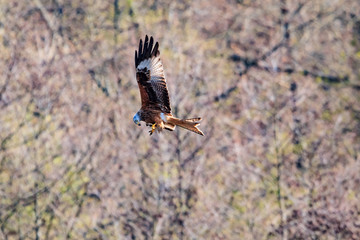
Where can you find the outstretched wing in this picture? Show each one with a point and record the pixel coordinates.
(150, 77)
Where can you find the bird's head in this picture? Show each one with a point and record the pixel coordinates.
(136, 119)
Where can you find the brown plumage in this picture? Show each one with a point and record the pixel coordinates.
(155, 102)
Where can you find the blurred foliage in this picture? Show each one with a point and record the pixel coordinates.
(277, 83)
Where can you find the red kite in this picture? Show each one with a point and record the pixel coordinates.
(155, 102)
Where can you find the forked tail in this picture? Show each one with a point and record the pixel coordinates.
(189, 124)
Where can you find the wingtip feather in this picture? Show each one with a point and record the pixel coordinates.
(140, 48)
(136, 59)
(150, 46)
(155, 52)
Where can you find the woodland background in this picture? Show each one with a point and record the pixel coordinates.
(276, 81)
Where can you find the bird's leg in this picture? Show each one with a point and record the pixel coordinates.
(153, 128)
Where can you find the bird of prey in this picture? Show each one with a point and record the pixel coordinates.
(155, 108)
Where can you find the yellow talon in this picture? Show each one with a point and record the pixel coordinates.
(153, 128)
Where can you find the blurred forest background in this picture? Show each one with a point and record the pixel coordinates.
(278, 86)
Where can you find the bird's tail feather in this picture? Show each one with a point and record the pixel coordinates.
(189, 124)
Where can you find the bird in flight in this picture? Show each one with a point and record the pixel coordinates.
(155, 108)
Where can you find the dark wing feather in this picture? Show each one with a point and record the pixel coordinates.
(150, 77)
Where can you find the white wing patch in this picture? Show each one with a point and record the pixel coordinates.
(155, 67)
(144, 64)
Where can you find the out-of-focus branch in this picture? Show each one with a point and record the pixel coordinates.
(197, 149)
(179, 211)
(298, 9)
(77, 213)
(8, 75)
(254, 63)
(308, 23)
(117, 13)
(50, 223)
(278, 177)
(24, 201)
(36, 212)
(50, 22)
(5, 140)
(248, 63)
(98, 83)
(324, 78)
(144, 177)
